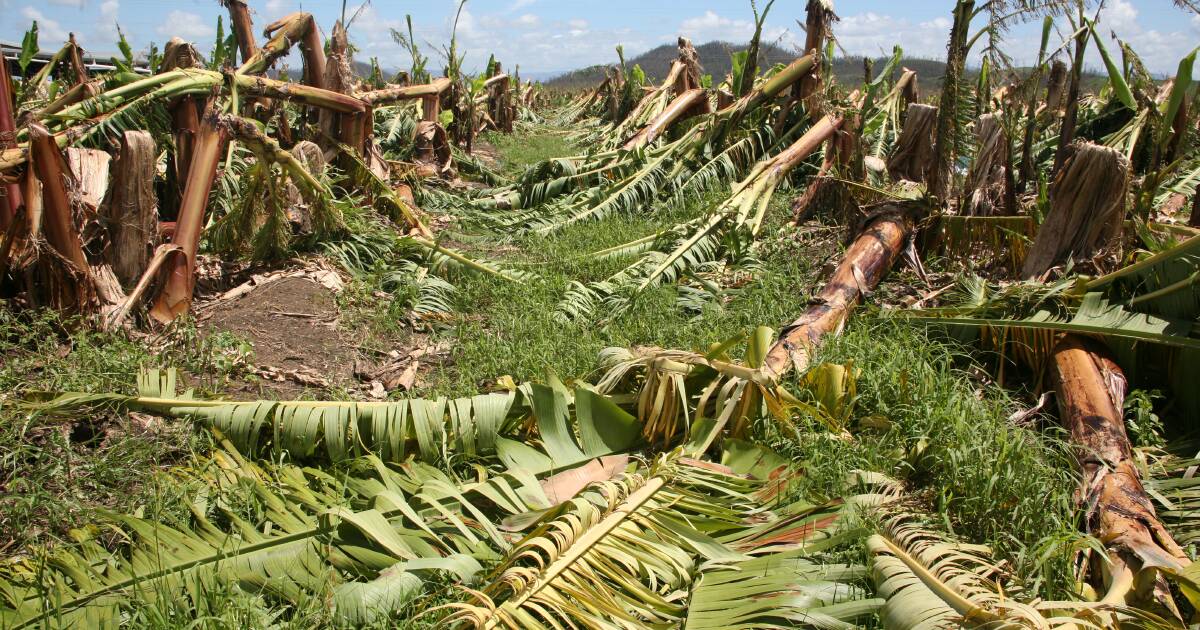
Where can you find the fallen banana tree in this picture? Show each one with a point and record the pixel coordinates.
(201, 161)
(1090, 389)
(870, 256)
(1144, 312)
(697, 242)
(381, 534)
(690, 103)
(615, 180)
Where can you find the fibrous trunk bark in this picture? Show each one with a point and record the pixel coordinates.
(1066, 135)
(914, 158)
(1055, 89)
(866, 262)
(818, 20)
(1090, 389)
(338, 127)
(1194, 220)
(313, 159)
(132, 209)
(243, 28)
(947, 115)
(66, 277)
(89, 170)
(8, 139)
(686, 105)
(185, 122)
(843, 153)
(432, 148)
(1087, 209)
(1056, 86)
(175, 296)
(910, 88)
(616, 87)
(689, 78)
(985, 185)
(817, 30)
(499, 99)
(78, 69)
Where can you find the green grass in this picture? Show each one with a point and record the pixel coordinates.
(922, 419)
(519, 151)
(504, 328)
(55, 473)
(919, 417)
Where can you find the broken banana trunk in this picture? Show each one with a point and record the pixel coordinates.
(1091, 390)
(1087, 211)
(866, 262)
(913, 157)
(132, 208)
(8, 139)
(406, 92)
(67, 266)
(686, 105)
(243, 28)
(297, 27)
(175, 296)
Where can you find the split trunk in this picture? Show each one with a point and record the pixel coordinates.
(8, 139)
(132, 209)
(175, 296)
(1087, 210)
(866, 262)
(913, 158)
(1090, 389)
(985, 185)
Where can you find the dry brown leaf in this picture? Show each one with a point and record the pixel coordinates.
(565, 485)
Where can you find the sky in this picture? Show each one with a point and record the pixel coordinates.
(546, 37)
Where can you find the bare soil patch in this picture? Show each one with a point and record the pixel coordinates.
(292, 324)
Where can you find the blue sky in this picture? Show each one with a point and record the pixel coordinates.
(546, 36)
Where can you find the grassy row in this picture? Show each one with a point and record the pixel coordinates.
(919, 416)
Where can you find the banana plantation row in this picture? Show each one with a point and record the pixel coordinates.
(645, 496)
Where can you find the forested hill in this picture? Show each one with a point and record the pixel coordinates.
(715, 57)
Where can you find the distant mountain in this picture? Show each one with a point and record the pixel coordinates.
(715, 57)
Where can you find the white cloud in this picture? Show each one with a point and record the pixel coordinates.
(711, 26)
(529, 39)
(186, 25)
(1120, 12)
(78, 4)
(517, 5)
(874, 34)
(106, 28)
(50, 33)
(276, 9)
